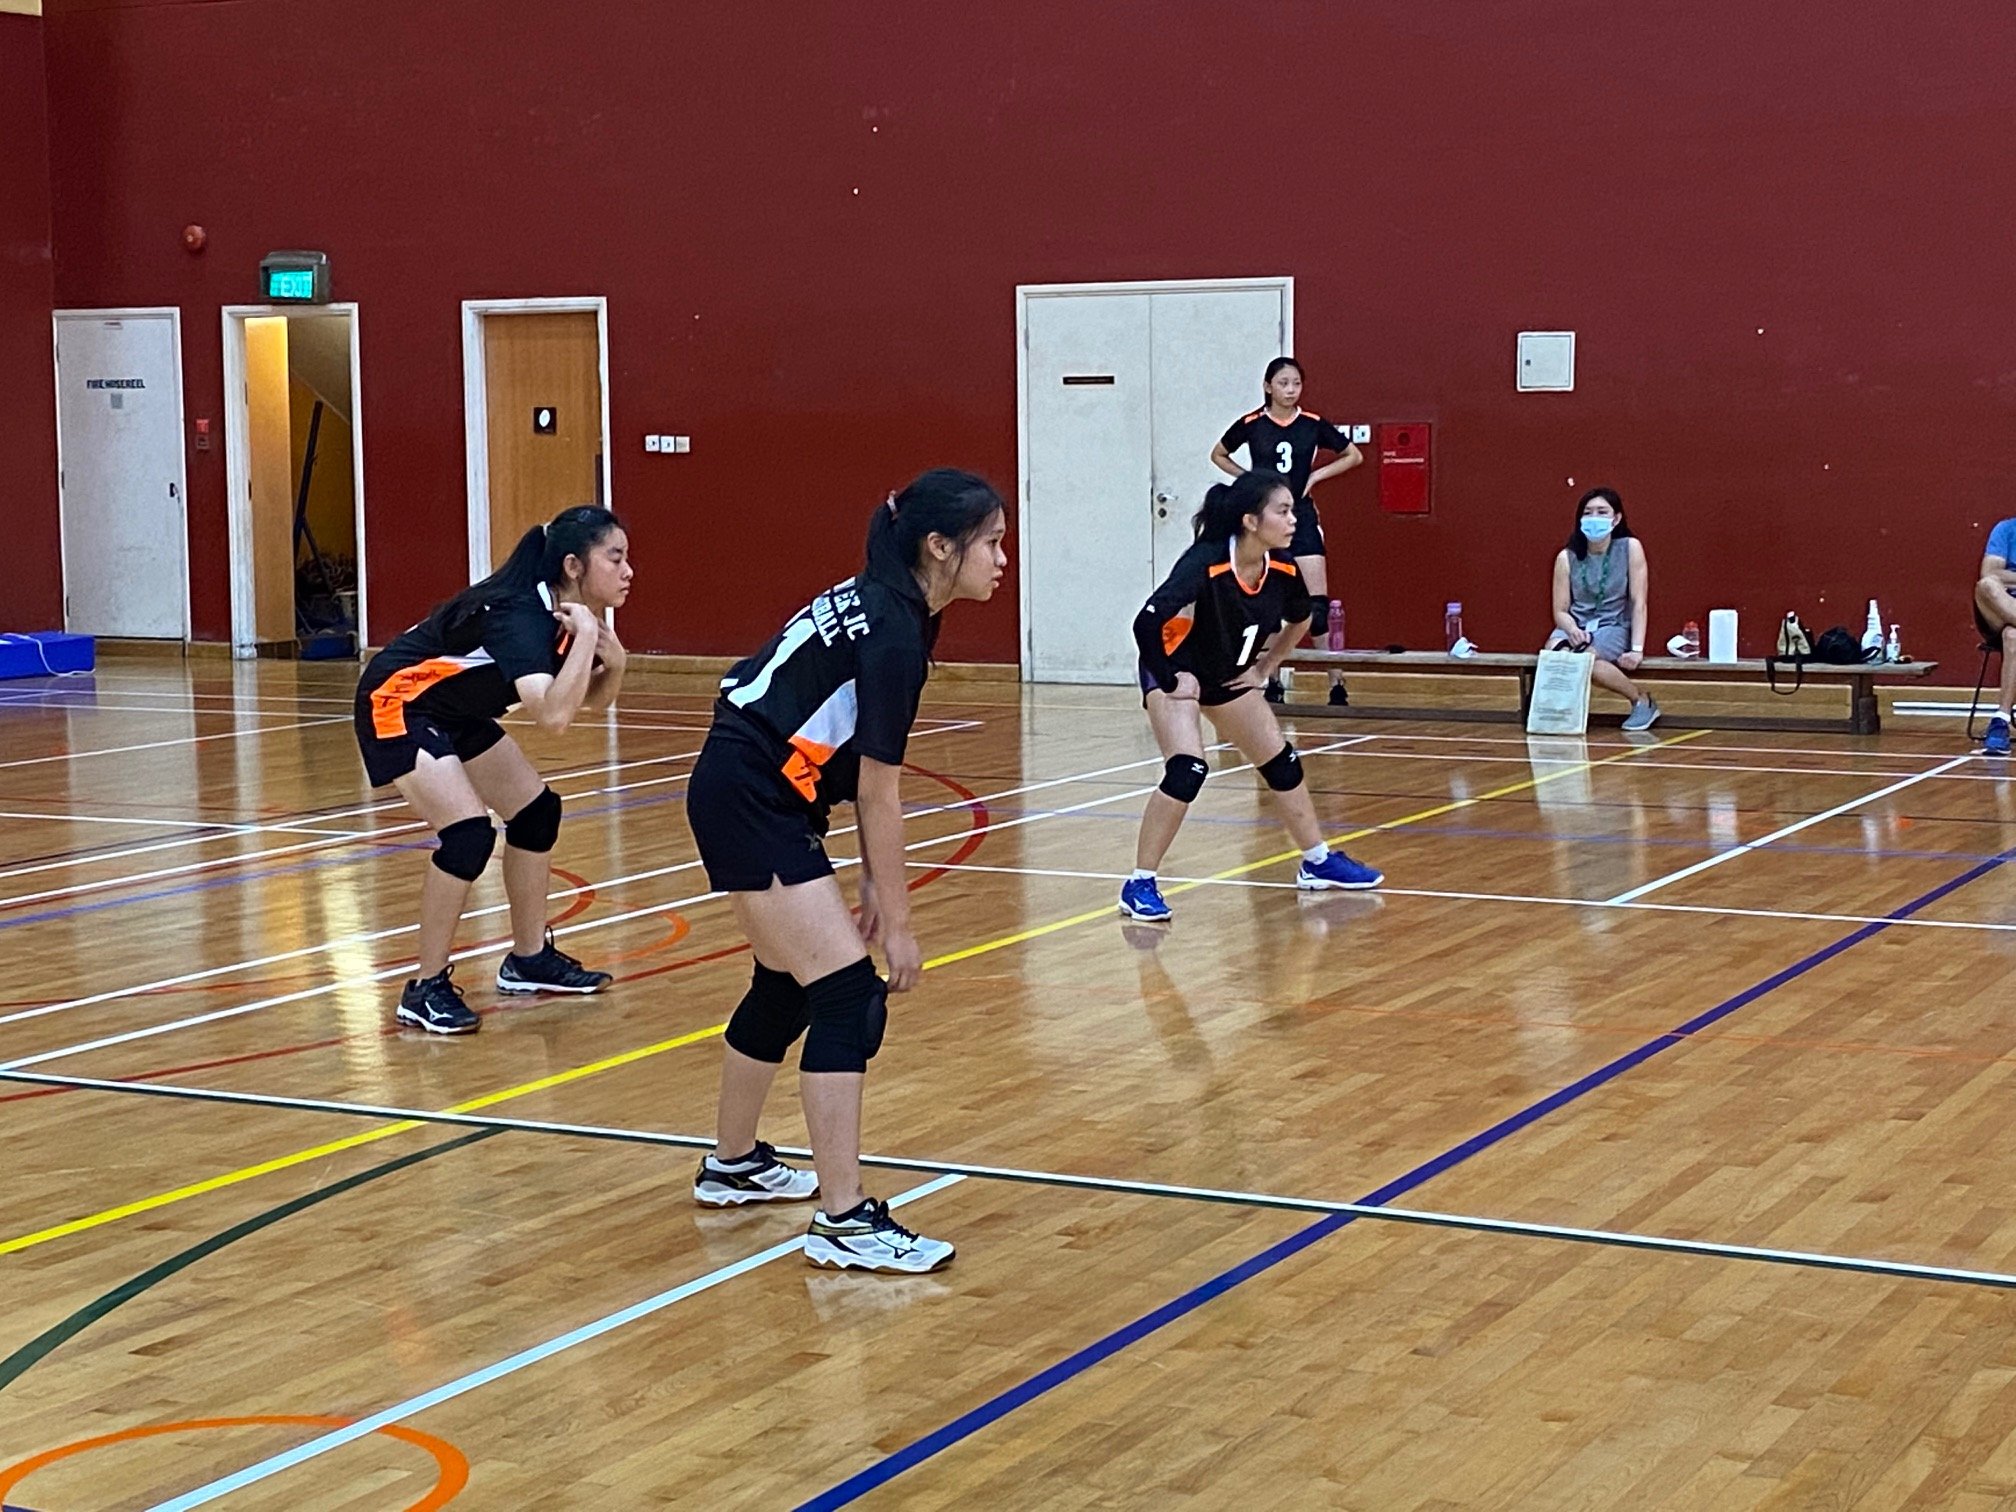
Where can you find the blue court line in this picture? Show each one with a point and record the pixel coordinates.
(969, 1423)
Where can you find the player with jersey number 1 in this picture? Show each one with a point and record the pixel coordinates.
(820, 716)
(1282, 439)
(1209, 638)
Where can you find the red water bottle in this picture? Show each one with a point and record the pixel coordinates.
(1452, 626)
(1335, 640)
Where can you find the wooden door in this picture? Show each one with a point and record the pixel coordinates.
(543, 373)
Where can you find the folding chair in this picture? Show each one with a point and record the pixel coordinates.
(1991, 646)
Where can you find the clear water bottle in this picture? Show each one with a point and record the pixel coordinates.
(1335, 640)
(1691, 637)
(1452, 626)
(1893, 648)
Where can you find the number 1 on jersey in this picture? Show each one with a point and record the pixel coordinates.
(1246, 648)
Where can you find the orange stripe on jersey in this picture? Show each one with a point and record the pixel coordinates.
(803, 766)
(1174, 632)
(1220, 568)
(1287, 567)
(389, 698)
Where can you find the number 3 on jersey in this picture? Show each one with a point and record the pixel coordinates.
(1284, 457)
(1246, 648)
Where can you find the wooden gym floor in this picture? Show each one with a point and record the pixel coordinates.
(1690, 1062)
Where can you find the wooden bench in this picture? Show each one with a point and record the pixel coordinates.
(1863, 716)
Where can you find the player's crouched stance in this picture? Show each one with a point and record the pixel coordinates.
(1209, 639)
(817, 717)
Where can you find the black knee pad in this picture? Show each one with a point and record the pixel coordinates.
(1284, 772)
(850, 1009)
(465, 848)
(537, 825)
(1183, 777)
(770, 1017)
(1319, 616)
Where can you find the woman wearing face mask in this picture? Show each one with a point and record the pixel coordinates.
(1600, 600)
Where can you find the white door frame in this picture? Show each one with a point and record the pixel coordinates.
(1283, 285)
(174, 314)
(238, 462)
(476, 404)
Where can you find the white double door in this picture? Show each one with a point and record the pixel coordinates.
(119, 424)
(1125, 392)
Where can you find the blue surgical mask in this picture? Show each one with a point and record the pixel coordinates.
(1597, 528)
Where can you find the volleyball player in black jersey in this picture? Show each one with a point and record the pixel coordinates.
(1209, 638)
(1282, 438)
(820, 716)
(531, 633)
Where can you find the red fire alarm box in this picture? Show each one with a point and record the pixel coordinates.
(1403, 466)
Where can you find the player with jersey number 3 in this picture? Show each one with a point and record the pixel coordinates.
(820, 716)
(1282, 438)
(1209, 639)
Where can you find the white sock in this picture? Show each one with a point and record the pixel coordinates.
(2004, 714)
(1317, 854)
(1142, 876)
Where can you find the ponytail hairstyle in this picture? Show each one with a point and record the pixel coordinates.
(1274, 367)
(1226, 505)
(539, 557)
(944, 501)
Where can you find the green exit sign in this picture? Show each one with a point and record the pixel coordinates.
(295, 277)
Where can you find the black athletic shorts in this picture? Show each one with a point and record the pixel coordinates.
(751, 829)
(1308, 540)
(1207, 695)
(388, 758)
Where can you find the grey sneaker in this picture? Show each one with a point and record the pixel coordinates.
(1644, 714)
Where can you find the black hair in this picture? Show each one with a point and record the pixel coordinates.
(944, 501)
(1578, 543)
(1274, 367)
(1226, 505)
(539, 557)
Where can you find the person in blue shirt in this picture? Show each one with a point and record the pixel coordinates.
(1995, 610)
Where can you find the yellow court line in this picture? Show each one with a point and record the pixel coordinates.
(645, 1052)
(337, 1146)
(1092, 915)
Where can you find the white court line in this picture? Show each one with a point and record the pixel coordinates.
(157, 745)
(226, 826)
(217, 1015)
(1695, 747)
(127, 879)
(133, 878)
(1116, 1185)
(1915, 922)
(517, 1362)
(476, 1379)
(1723, 857)
(941, 727)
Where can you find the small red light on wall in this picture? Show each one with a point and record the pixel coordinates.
(202, 435)
(1403, 466)
(195, 238)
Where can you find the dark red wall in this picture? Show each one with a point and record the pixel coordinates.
(1781, 233)
(31, 589)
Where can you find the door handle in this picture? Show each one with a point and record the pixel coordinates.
(1163, 499)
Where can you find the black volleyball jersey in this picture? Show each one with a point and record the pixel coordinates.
(840, 681)
(1206, 622)
(464, 673)
(1289, 450)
